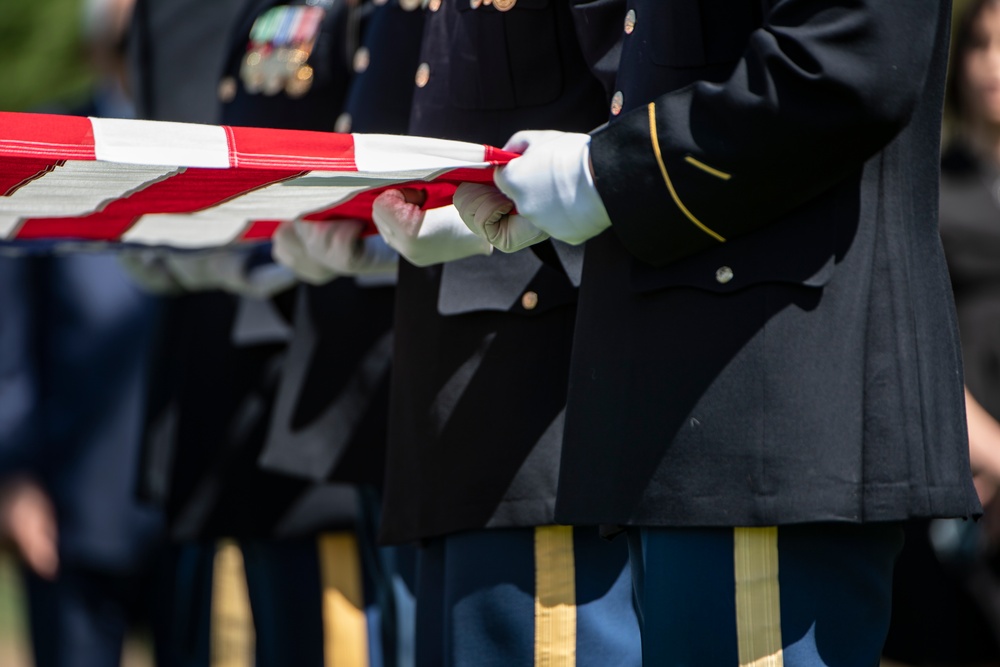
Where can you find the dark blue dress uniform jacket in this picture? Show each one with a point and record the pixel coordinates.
(483, 344)
(276, 410)
(330, 417)
(766, 334)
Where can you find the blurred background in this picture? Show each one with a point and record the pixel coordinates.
(41, 45)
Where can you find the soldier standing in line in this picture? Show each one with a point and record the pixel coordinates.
(498, 583)
(276, 416)
(766, 376)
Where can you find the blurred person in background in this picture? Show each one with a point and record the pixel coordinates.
(74, 341)
(106, 23)
(946, 604)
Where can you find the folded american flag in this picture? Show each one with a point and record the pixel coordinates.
(127, 182)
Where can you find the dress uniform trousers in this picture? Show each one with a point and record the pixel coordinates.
(800, 596)
(273, 603)
(550, 595)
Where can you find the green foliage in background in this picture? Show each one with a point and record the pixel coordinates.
(41, 57)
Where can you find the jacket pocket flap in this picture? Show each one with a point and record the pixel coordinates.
(792, 251)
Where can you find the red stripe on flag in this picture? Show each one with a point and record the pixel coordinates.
(467, 175)
(190, 191)
(263, 148)
(15, 173)
(496, 156)
(261, 230)
(45, 135)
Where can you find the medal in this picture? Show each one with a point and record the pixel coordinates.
(251, 72)
(281, 41)
(300, 82)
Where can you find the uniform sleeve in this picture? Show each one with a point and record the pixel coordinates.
(821, 87)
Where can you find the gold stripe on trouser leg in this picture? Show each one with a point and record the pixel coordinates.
(345, 628)
(555, 597)
(231, 623)
(758, 607)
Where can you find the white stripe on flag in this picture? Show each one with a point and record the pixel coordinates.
(8, 224)
(389, 153)
(224, 223)
(184, 230)
(77, 188)
(160, 143)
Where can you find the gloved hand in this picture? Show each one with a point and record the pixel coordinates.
(148, 269)
(551, 185)
(227, 270)
(424, 237)
(165, 271)
(340, 247)
(288, 250)
(486, 211)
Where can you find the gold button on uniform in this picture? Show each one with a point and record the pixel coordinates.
(434, 5)
(504, 5)
(227, 89)
(630, 22)
(723, 275)
(475, 3)
(343, 123)
(362, 58)
(409, 5)
(616, 103)
(423, 75)
(529, 300)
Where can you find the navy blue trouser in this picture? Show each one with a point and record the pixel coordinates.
(798, 596)
(551, 595)
(80, 619)
(305, 595)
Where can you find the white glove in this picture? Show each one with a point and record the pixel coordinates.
(288, 250)
(164, 271)
(227, 270)
(551, 185)
(486, 211)
(148, 269)
(340, 247)
(425, 237)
